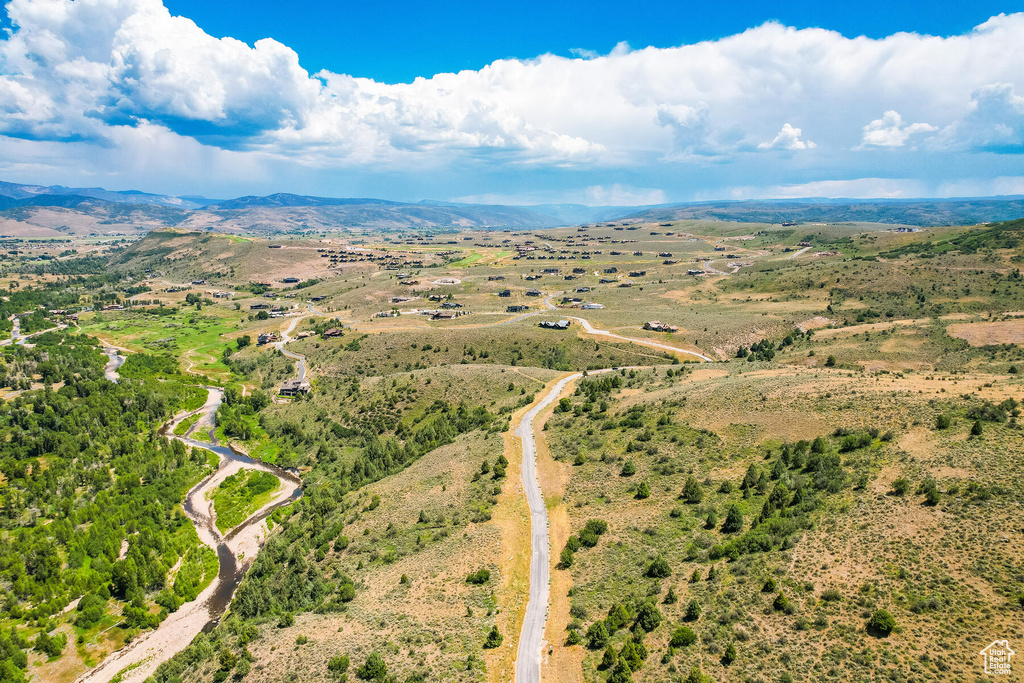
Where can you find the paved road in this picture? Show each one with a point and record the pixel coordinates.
(531, 639)
(590, 329)
(300, 360)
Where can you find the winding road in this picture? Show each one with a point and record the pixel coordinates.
(237, 549)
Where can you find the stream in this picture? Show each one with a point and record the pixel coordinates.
(235, 550)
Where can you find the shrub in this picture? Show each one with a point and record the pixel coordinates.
(287, 619)
(494, 639)
(693, 610)
(692, 492)
(643, 491)
(479, 577)
(610, 658)
(900, 486)
(629, 656)
(931, 492)
(338, 664)
(574, 637)
(659, 569)
(374, 669)
(882, 622)
(621, 673)
(712, 520)
(769, 586)
(781, 602)
(53, 646)
(730, 654)
(976, 428)
(733, 520)
(943, 421)
(830, 362)
(648, 617)
(628, 469)
(565, 560)
(671, 598)
(683, 637)
(597, 636)
(831, 595)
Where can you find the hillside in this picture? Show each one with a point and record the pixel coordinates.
(895, 212)
(15, 194)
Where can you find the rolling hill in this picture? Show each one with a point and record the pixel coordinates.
(919, 212)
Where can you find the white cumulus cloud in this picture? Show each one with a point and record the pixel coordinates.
(788, 139)
(81, 72)
(890, 131)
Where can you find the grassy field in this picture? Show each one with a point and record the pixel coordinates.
(242, 494)
(815, 434)
(860, 547)
(196, 337)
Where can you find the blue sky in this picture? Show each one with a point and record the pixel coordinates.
(398, 41)
(597, 103)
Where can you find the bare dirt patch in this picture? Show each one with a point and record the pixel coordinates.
(815, 323)
(988, 334)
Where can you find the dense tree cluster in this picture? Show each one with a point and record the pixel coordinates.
(90, 505)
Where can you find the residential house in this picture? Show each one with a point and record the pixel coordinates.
(294, 387)
(658, 326)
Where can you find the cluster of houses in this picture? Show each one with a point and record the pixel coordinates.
(69, 316)
(361, 255)
(274, 311)
(554, 324)
(658, 326)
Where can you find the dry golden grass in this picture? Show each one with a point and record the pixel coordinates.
(512, 517)
(560, 664)
(422, 625)
(986, 334)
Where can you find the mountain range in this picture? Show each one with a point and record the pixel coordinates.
(53, 211)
